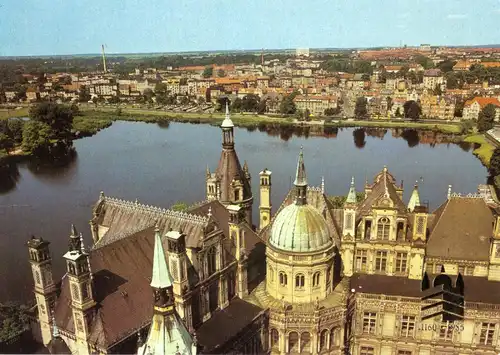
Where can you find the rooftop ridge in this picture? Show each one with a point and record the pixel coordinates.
(157, 210)
(197, 204)
(314, 188)
(469, 195)
(116, 237)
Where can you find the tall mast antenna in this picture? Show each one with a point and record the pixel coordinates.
(104, 59)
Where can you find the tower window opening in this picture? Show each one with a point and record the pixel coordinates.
(316, 278)
(211, 261)
(299, 281)
(283, 279)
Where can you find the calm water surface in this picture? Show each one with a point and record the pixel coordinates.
(159, 166)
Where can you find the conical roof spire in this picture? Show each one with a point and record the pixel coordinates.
(351, 196)
(74, 232)
(300, 175)
(414, 199)
(227, 123)
(161, 275)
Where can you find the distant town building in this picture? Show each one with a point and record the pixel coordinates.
(474, 106)
(302, 52)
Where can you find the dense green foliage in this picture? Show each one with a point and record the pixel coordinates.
(332, 111)
(360, 110)
(287, 106)
(13, 320)
(11, 133)
(208, 72)
(348, 66)
(424, 61)
(486, 118)
(338, 201)
(58, 117)
(412, 110)
(494, 168)
(179, 206)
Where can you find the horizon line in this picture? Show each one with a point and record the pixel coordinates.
(97, 54)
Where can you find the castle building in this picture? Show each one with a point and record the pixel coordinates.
(371, 275)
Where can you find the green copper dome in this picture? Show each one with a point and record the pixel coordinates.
(300, 228)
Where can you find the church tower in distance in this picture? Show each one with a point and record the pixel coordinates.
(230, 183)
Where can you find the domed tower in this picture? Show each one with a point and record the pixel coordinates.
(300, 234)
(230, 184)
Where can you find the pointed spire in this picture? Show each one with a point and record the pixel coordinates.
(300, 175)
(449, 191)
(227, 123)
(351, 196)
(74, 240)
(245, 167)
(208, 171)
(161, 275)
(322, 184)
(74, 232)
(414, 199)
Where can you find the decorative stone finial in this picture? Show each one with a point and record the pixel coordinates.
(449, 191)
(101, 195)
(82, 247)
(55, 329)
(74, 232)
(322, 184)
(209, 211)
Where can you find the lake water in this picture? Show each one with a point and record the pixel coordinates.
(162, 165)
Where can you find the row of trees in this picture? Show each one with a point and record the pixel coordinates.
(411, 109)
(49, 128)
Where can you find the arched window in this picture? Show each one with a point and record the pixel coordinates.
(293, 342)
(300, 281)
(334, 334)
(271, 274)
(305, 342)
(348, 221)
(323, 340)
(211, 261)
(283, 279)
(420, 225)
(275, 339)
(316, 278)
(383, 228)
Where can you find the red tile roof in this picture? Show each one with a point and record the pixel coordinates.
(483, 101)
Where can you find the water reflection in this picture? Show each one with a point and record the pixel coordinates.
(9, 176)
(359, 138)
(59, 167)
(411, 137)
(163, 124)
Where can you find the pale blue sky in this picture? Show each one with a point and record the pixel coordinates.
(44, 27)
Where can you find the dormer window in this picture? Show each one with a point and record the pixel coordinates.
(237, 194)
(383, 228)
